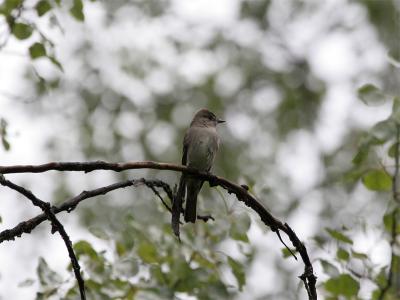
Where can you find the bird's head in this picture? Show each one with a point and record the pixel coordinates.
(206, 118)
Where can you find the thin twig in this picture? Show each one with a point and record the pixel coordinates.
(159, 197)
(56, 226)
(71, 204)
(308, 277)
(240, 192)
(290, 250)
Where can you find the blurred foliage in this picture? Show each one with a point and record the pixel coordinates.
(19, 25)
(385, 16)
(156, 265)
(131, 97)
(376, 175)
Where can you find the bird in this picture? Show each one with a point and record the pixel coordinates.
(200, 146)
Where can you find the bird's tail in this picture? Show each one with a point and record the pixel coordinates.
(177, 205)
(193, 189)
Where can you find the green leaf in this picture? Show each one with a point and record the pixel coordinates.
(77, 10)
(371, 95)
(342, 254)
(9, 5)
(361, 155)
(239, 228)
(99, 233)
(378, 135)
(238, 272)
(202, 260)
(26, 283)
(120, 248)
(353, 175)
(377, 180)
(383, 131)
(329, 268)
(37, 50)
(320, 240)
(359, 255)
(147, 252)
(47, 294)
(85, 248)
(375, 294)
(339, 236)
(42, 7)
(381, 278)
(396, 266)
(3, 126)
(157, 273)
(3, 134)
(394, 57)
(396, 110)
(182, 277)
(286, 253)
(22, 31)
(5, 143)
(126, 267)
(47, 277)
(388, 221)
(344, 285)
(56, 63)
(392, 150)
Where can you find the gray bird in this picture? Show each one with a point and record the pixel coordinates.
(200, 147)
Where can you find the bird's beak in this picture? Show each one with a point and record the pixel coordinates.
(219, 121)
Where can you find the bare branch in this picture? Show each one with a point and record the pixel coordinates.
(91, 166)
(70, 205)
(56, 226)
(240, 192)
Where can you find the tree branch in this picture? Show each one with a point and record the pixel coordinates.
(240, 192)
(70, 205)
(56, 226)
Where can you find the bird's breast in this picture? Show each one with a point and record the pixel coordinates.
(202, 150)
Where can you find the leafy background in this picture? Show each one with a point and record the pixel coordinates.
(308, 91)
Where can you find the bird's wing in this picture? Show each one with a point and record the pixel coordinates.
(181, 193)
(185, 148)
(212, 150)
(184, 155)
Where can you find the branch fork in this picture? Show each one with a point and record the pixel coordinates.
(240, 191)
